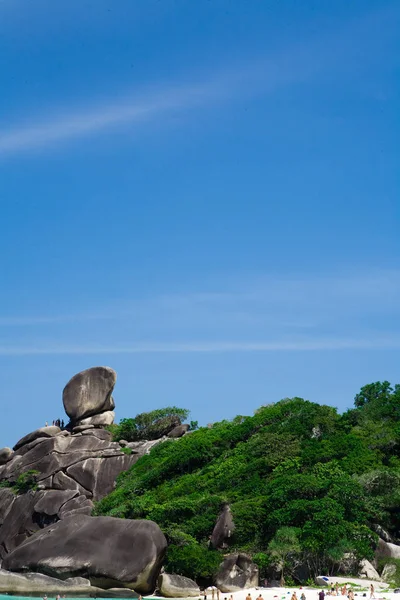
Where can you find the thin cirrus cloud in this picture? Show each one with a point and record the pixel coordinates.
(390, 342)
(132, 110)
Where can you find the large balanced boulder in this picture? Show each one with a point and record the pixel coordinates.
(177, 586)
(237, 572)
(110, 552)
(89, 393)
(223, 529)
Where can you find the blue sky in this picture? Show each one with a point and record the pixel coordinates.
(204, 196)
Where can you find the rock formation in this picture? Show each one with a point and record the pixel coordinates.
(223, 529)
(236, 572)
(109, 552)
(68, 470)
(177, 586)
(88, 393)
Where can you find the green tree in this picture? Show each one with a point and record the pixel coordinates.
(149, 425)
(283, 548)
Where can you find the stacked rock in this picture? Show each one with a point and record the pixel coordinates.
(88, 400)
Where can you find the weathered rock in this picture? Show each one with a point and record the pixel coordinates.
(144, 446)
(123, 443)
(101, 434)
(223, 529)
(383, 534)
(119, 593)
(51, 502)
(56, 454)
(101, 420)
(237, 572)
(6, 455)
(7, 498)
(105, 550)
(61, 481)
(43, 432)
(79, 505)
(99, 474)
(31, 583)
(389, 573)
(322, 581)
(367, 571)
(386, 550)
(81, 428)
(19, 523)
(177, 586)
(178, 431)
(89, 393)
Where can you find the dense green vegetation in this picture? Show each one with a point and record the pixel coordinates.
(305, 485)
(149, 426)
(24, 482)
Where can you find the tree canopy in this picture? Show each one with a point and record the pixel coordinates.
(300, 479)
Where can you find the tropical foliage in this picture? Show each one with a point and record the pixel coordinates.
(304, 483)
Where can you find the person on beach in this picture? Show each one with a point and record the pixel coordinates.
(344, 590)
(321, 595)
(337, 589)
(372, 591)
(294, 596)
(248, 597)
(303, 596)
(205, 594)
(260, 597)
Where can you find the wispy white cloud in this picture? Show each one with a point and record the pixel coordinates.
(210, 347)
(131, 109)
(262, 75)
(287, 300)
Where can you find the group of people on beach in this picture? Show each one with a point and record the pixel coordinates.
(335, 590)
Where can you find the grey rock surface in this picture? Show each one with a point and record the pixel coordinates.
(101, 420)
(25, 584)
(223, 529)
(177, 586)
(237, 572)
(7, 498)
(179, 431)
(43, 432)
(6, 455)
(89, 393)
(109, 552)
(368, 571)
(99, 474)
(386, 550)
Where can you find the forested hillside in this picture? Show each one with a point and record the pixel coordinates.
(305, 485)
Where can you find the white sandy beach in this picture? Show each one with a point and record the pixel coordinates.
(285, 593)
